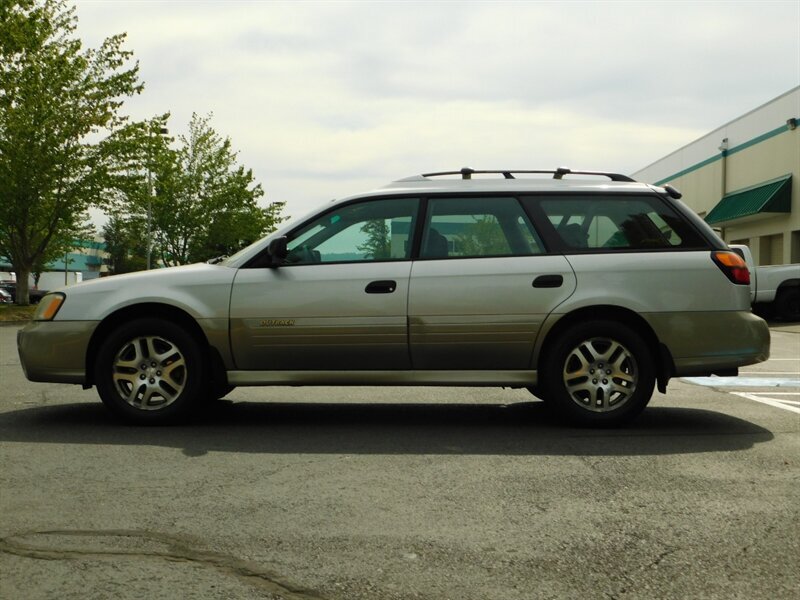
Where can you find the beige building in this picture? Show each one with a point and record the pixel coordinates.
(744, 179)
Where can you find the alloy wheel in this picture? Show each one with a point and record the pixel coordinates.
(600, 374)
(149, 372)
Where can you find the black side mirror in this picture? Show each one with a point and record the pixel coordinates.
(277, 250)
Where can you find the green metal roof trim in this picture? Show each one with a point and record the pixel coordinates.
(89, 245)
(744, 146)
(76, 262)
(774, 196)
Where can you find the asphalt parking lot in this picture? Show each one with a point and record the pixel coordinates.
(433, 493)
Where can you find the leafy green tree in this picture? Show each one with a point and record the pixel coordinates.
(482, 237)
(203, 203)
(141, 153)
(126, 244)
(61, 244)
(57, 102)
(378, 245)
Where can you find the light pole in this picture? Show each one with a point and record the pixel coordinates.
(162, 131)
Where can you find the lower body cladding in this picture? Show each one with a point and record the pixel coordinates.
(55, 351)
(58, 351)
(699, 343)
(513, 378)
(711, 343)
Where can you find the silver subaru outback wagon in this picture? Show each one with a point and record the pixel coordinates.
(589, 289)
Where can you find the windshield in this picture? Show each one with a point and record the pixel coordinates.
(252, 249)
(228, 260)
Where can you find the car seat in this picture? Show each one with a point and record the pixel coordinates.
(574, 236)
(435, 245)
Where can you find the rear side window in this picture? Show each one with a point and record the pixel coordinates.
(595, 223)
(478, 227)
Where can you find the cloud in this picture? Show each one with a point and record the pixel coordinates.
(326, 99)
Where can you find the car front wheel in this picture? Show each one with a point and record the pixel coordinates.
(149, 371)
(599, 373)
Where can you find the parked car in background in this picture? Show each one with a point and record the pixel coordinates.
(5, 297)
(588, 289)
(34, 295)
(774, 289)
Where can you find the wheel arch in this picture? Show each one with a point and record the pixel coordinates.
(662, 358)
(786, 300)
(159, 311)
(789, 284)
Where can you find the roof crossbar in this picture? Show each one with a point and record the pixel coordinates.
(467, 173)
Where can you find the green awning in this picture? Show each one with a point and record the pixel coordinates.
(774, 196)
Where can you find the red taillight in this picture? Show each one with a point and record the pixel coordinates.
(733, 266)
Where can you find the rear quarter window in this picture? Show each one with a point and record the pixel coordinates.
(611, 223)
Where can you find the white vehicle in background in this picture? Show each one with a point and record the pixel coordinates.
(777, 286)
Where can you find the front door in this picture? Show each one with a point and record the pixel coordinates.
(339, 301)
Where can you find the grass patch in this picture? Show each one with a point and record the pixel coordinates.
(11, 313)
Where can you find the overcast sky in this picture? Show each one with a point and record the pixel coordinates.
(327, 99)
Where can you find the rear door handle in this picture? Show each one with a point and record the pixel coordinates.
(548, 281)
(386, 286)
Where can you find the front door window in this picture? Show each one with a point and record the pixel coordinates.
(377, 230)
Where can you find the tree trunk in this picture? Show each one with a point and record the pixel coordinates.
(23, 275)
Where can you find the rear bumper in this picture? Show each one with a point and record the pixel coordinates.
(707, 343)
(55, 351)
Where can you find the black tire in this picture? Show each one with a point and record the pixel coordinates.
(787, 304)
(217, 391)
(150, 371)
(537, 392)
(584, 388)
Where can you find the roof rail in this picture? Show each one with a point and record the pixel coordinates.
(467, 173)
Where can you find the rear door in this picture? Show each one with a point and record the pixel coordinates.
(482, 286)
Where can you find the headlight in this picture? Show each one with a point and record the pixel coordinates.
(48, 307)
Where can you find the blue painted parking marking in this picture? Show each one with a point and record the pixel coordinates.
(784, 400)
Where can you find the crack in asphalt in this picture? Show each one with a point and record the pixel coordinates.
(177, 548)
(632, 580)
(659, 558)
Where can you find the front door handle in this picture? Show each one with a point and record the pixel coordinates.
(386, 286)
(548, 281)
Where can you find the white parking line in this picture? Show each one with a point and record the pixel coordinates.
(743, 381)
(790, 405)
(775, 399)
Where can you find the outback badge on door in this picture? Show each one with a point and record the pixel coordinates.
(277, 323)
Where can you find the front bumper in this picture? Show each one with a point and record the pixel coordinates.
(55, 351)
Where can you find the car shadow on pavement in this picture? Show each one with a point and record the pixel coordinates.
(524, 428)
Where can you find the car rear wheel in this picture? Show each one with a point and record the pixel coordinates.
(217, 391)
(150, 371)
(599, 373)
(537, 391)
